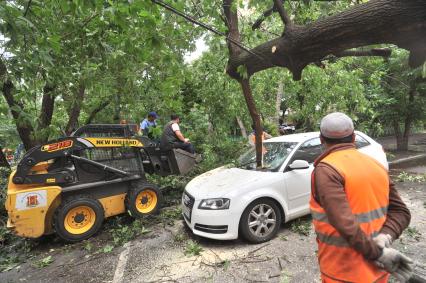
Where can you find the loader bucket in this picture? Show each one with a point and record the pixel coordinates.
(182, 161)
(169, 162)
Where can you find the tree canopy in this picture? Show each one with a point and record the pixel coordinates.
(69, 63)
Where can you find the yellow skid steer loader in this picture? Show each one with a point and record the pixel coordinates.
(70, 185)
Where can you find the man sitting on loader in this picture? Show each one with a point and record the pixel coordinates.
(173, 138)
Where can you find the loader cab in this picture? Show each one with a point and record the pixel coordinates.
(154, 159)
(106, 130)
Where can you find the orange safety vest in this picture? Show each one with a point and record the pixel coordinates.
(367, 190)
(253, 137)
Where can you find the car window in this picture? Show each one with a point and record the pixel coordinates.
(308, 151)
(360, 141)
(274, 155)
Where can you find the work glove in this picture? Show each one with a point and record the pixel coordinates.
(383, 240)
(396, 263)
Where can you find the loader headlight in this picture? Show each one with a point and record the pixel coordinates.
(214, 203)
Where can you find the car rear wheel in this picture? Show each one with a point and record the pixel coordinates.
(260, 221)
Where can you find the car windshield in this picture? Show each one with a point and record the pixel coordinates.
(274, 154)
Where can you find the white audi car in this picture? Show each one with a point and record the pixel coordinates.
(228, 201)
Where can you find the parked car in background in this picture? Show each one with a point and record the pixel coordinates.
(231, 201)
(286, 129)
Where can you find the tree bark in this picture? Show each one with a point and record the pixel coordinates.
(280, 93)
(397, 133)
(16, 107)
(231, 19)
(3, 159)
(242, 128)
(47, 106)
(75, 110)
(96, 111)
(398, 22)
(46, 112)
(245, 85)
(402, 139)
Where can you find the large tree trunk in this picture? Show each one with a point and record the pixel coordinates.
(399, 22)
(23, 127)
(398, 135)
(75, 110)
(234, 51)
(16, 107)
(402, 138)
(245, 85)
(46, 112)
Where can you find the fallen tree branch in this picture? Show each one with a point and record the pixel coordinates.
(382, 52)
(259, 248)
(374, 22)
(279, 7)
(262, 18)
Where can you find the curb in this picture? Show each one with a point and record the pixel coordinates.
(405, 161)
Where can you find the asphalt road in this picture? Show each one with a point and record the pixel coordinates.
(160, 256)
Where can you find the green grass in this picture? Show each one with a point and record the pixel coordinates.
(192, 248)
(406, 177)
(226, 264)
(123, 233)
(283, 238)
(301, 227)
(413, 233)
(180, 237)
(44, 262)
(107, 249)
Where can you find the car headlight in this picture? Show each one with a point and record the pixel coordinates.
(214, 203)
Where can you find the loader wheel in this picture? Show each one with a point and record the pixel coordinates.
(143, 199)
(78, 218)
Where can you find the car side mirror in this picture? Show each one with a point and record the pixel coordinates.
(299, 164)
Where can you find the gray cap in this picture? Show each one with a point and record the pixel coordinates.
(336, 125)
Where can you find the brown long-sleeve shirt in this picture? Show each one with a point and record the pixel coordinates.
(329, 191)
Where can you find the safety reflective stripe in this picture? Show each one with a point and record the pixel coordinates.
(318, 216)
(337, 240)
(332, 240)
(365, 217)
(371, 215)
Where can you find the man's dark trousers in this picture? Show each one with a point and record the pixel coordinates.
(185, 146)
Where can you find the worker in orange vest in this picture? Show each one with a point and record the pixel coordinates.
(252, 136)
(356, 211)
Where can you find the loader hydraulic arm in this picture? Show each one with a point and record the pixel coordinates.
(60, 148)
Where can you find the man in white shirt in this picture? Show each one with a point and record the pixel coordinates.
(173, 138)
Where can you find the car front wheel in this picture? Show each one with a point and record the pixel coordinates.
(260, 221)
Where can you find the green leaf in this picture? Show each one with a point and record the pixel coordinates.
(44, 262)
(242, 71)
(107, 249)
(65, 7)
(55, 44)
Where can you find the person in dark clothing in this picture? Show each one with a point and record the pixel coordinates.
(173, 138)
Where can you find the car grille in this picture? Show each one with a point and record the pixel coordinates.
(188, 204)
(213, 229)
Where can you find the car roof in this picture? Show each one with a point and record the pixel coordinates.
(294, 137)
(301, 137)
